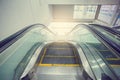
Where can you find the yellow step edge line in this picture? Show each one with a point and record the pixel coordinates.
(112, 58)
(60, 56)
(48, 65)
(115, 66)
(43, 55)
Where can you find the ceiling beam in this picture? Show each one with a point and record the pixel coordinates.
(92, 2)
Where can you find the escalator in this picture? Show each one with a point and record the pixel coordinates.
(85, 35)
(84, 57)
(21, 49)
(112, 58)
(59, 61)
(112, 38)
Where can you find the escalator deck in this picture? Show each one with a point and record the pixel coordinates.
(59, 54)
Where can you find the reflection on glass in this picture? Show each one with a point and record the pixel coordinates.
(107, 12)
(84, 11)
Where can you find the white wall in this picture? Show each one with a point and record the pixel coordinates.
(41, 11)
(63, 11)
(16, 14)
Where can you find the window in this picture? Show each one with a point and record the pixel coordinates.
(107, 12)
(84, 12)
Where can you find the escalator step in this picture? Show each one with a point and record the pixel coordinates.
(59, 54)
(67, 65)
(59, 60)
(60, 51)
(115, 62)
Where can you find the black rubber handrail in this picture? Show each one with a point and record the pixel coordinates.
(4, 44)
(114, 32)
(105, 38)
(111, 43)
(116, 27)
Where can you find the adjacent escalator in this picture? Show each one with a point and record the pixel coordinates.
(108, 35)
(17, 50)
(112, 39)
(112, 58)
(101, 53)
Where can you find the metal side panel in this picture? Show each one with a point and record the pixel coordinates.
(84, 61)
(32, 61)
(58, 73)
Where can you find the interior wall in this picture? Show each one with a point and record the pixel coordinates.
(16, 14)
(41, 11)
(63, 12)
(51, 12)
